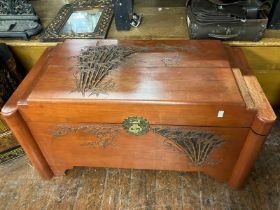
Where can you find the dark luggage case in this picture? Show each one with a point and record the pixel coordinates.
(205, 21)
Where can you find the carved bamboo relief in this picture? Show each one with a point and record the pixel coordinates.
(105, 134)
(96, 63)
(18, 19)
(196, 145)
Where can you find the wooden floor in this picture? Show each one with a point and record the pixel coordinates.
(91, 188)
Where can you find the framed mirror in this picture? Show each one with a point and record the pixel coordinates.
(80, 20)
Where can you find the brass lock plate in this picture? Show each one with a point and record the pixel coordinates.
(136, 126)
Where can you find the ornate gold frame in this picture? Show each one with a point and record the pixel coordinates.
(52, 32)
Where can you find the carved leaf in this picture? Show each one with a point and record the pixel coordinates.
(197, 145)
(105, 134)
(95, 63)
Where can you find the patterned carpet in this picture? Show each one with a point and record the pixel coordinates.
(7, 141)
(9, 148)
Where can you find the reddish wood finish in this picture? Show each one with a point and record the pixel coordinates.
(25, 138)
(265, 116)
(140, 152)
(246, 159)
(187, 94)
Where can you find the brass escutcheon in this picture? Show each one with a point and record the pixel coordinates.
(136, 126)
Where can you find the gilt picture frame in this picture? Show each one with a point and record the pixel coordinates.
(80, 20)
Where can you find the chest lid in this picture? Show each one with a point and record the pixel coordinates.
(108, 80)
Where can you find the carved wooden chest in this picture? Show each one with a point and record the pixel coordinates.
(167, 105)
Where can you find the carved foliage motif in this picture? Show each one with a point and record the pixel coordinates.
(95, 2)
(197, 145)
(18, 19)
(5, 7)
(105, 134)
(16, 7)
(95, 63)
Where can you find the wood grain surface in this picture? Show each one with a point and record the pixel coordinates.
(190, 93)
(144, 83)
(105, 188)
(141, 152)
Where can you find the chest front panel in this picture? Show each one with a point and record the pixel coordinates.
(164, 147)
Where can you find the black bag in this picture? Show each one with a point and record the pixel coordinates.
(227, 19)
(274, 16)
(123, 10)
(10, 76)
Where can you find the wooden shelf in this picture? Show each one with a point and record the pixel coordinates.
(160, 22)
